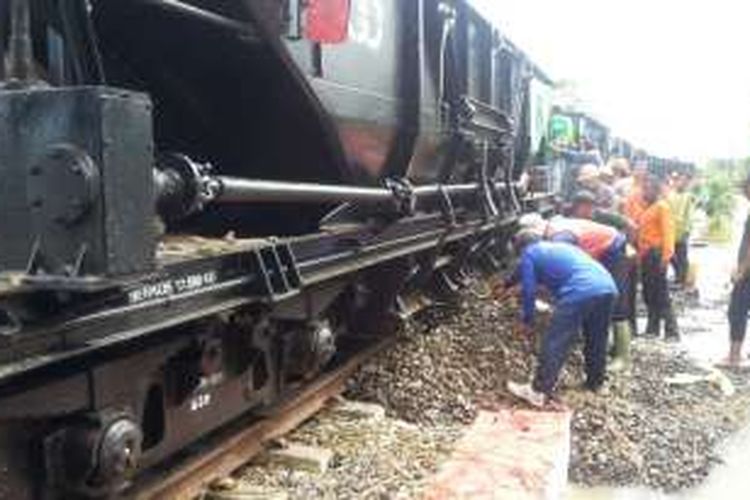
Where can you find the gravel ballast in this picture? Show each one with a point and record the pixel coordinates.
(639, 431)
(373, 458)
(450, 361)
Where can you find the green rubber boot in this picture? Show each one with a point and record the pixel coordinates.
(621, 359)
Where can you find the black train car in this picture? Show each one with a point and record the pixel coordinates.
(621, 148)
(666, 167)
(203, 201)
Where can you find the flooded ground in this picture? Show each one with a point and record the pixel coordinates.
(705, 337)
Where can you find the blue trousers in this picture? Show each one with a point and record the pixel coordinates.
(590, 316)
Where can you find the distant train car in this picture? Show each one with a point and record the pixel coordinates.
(575, 139)
(666, 167)
(621, 148)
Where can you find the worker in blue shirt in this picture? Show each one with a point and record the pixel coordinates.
(584, 294)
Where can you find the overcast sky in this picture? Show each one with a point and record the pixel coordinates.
(671, 75)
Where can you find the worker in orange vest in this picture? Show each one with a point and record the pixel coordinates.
(655, 242)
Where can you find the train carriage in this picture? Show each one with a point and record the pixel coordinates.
(206, 202)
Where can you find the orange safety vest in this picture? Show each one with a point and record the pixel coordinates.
(634, 204)
(656, 230)
(593, 238)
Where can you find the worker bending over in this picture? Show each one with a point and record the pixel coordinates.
(609, 247)
(584, 293)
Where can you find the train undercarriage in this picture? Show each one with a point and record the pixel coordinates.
(204, 341)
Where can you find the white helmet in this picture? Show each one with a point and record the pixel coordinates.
(530, 221)
(588, 172)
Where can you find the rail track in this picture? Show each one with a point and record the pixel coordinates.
(221, 454)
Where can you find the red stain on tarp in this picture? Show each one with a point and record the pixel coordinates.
(327, 21)
(521, 421)
(514, 454)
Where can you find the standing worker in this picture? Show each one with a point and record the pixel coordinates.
(681, 203)
(632, 207)
(584, 293)
(655, 244)
(739, 303)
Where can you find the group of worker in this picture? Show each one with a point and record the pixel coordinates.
(622, 224)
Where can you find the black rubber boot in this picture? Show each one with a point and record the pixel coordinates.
(652, 325)
(671, 331)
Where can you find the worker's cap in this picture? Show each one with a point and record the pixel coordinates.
(619, 165)
(606, 172)
(525, 237)
(584, 197)
(588, 172)
(530, 221)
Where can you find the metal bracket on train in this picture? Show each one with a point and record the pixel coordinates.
(36, 278)
(446, 204)
(278, 273)
(404, 197)
(467, 110)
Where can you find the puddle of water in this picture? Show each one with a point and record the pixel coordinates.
(730, 480)
(576, 493)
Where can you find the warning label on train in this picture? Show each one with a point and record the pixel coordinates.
(172, 286)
